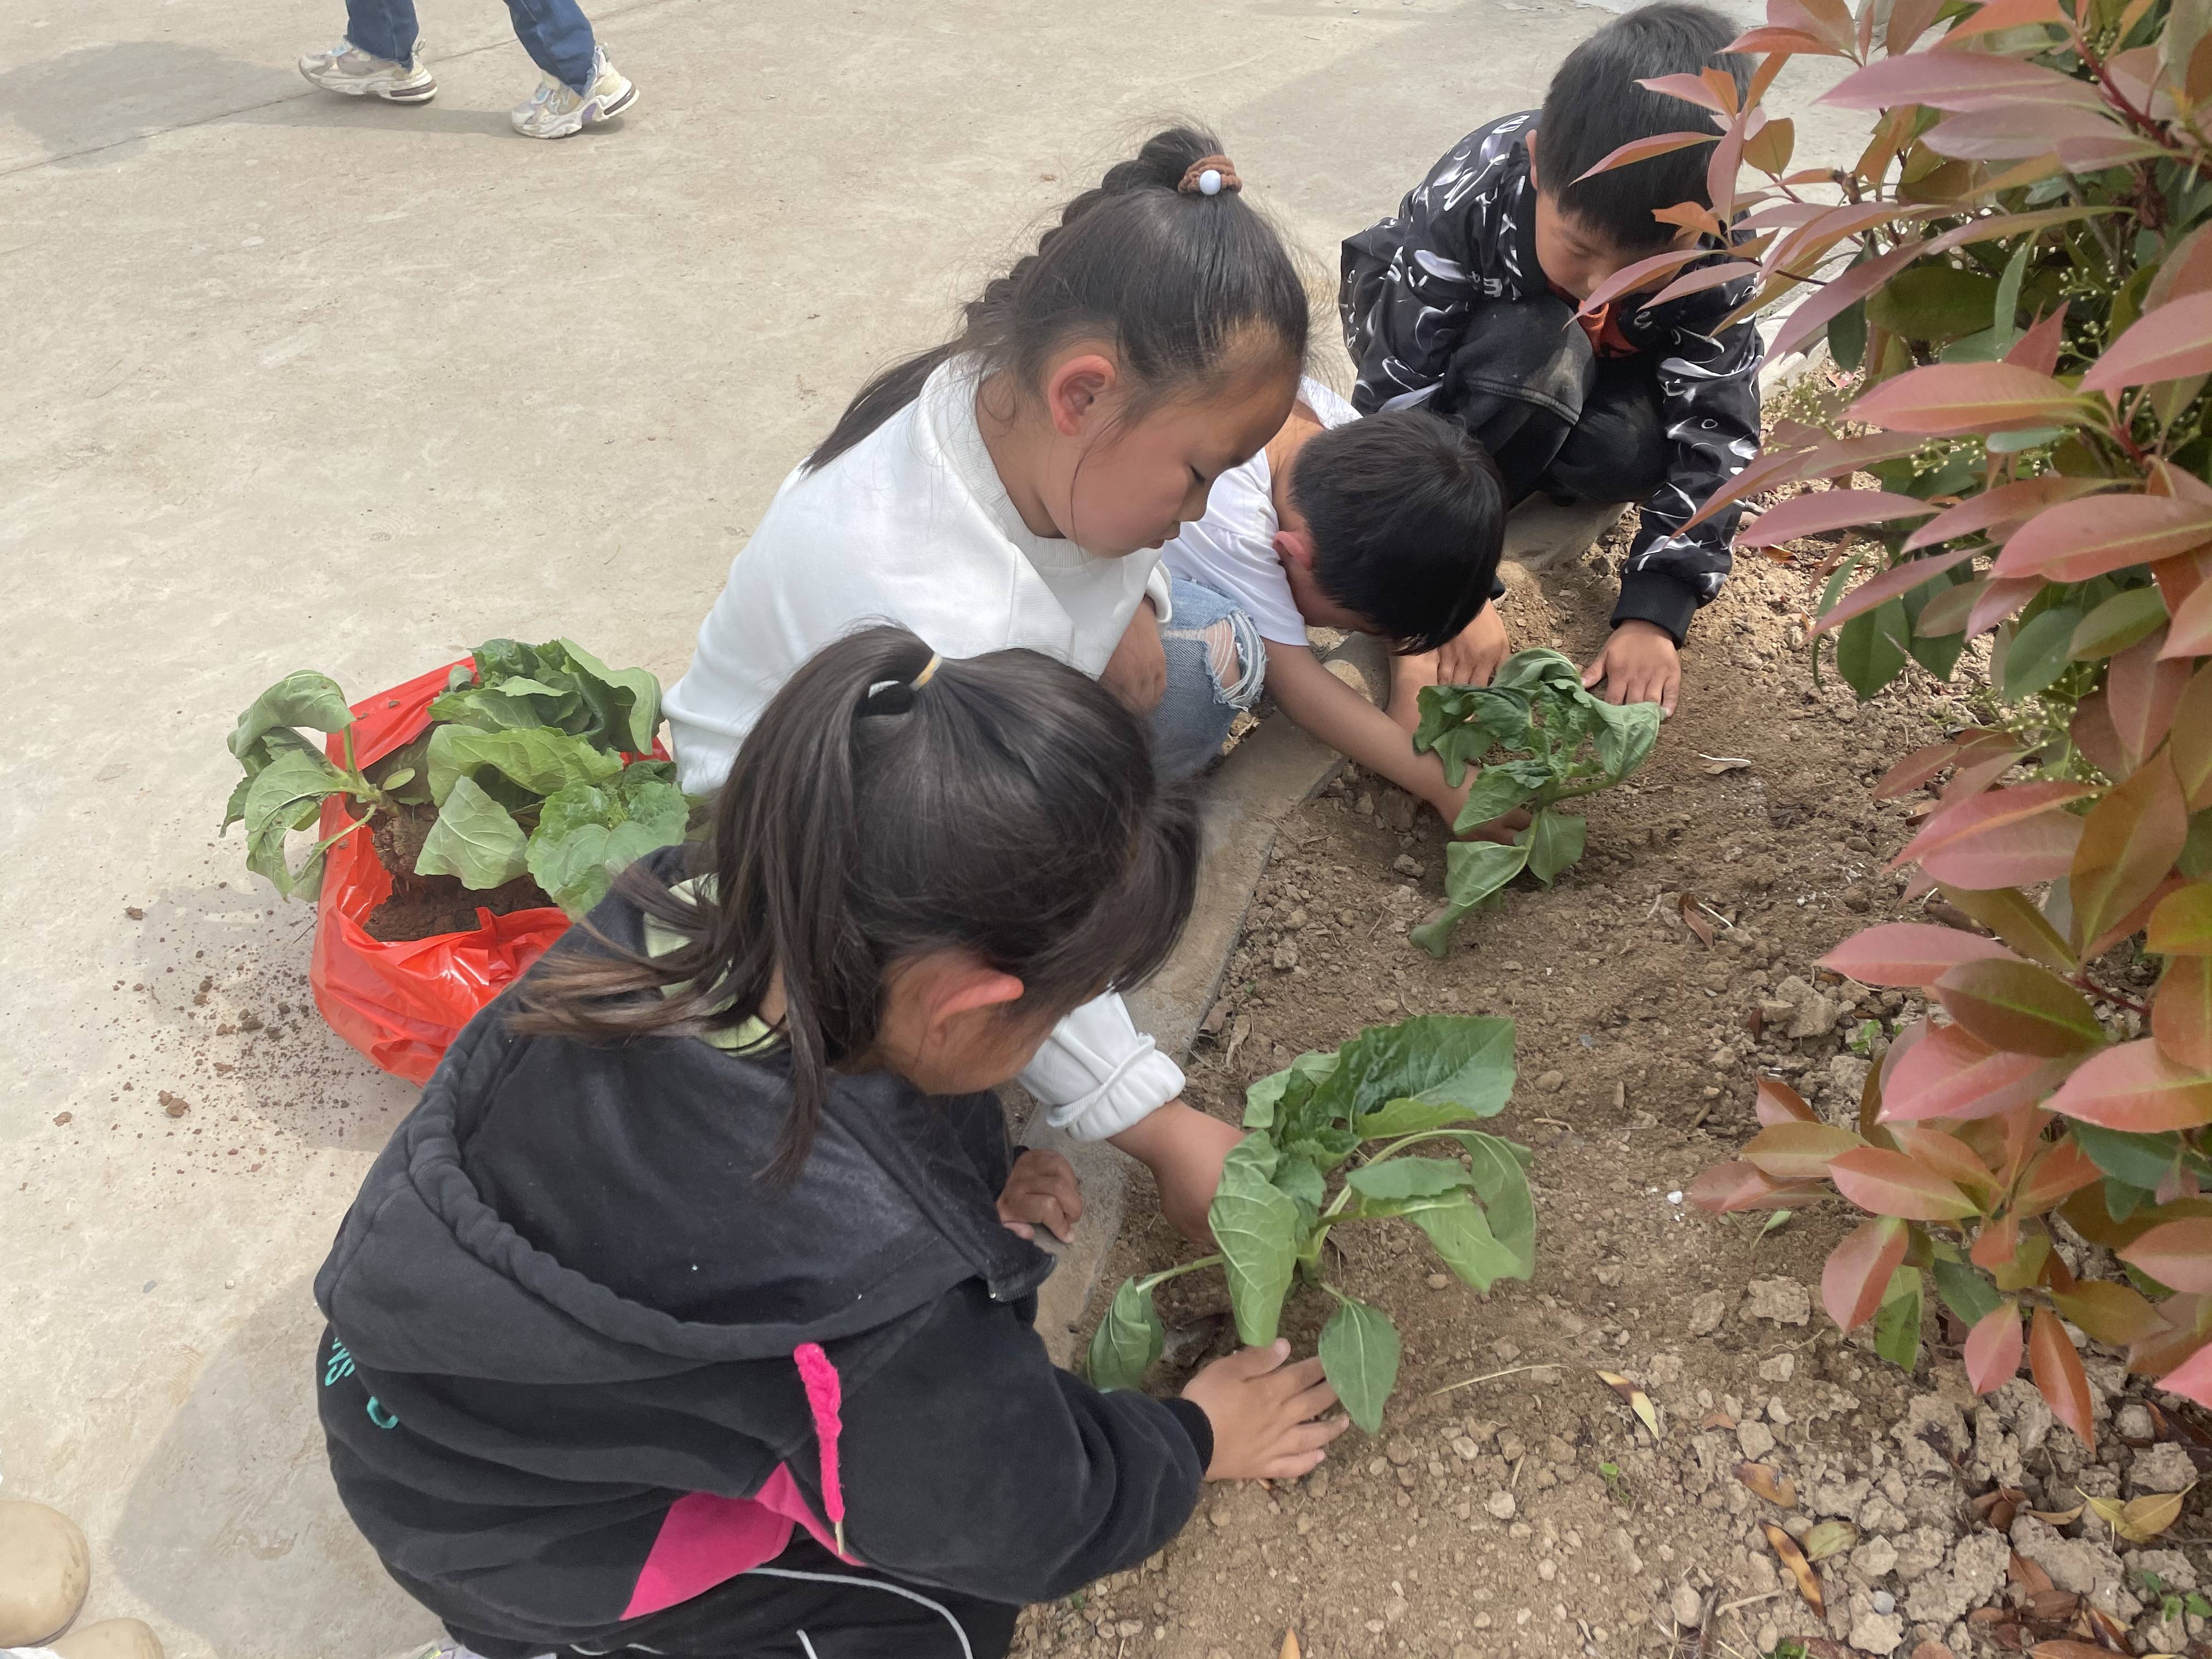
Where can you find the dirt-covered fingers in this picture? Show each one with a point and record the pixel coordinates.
(1042, 1191)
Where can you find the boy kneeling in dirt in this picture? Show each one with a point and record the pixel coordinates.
(1465, 302)
(1390, 526)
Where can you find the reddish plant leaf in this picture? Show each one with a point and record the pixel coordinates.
(1899, 578)
(2181, 926)
(2058, 1172)
(1886, 1183)
(2002, 510)
(2095, 736)
(1956, 81)
(2191, 752)
(1813, 314)
(1947, 398)
(1908, 20)
(1798, 1151)
(2181, 1015)
(2129, 841)
(2005, 838)
(2108, 1310)
(2176, 1253)
(2014, 1004)
(1630, 278)
(2037, 349)
(1727, 1187)
(2016, 132)
(2058, 1373)
(1993, 1349)
(1692, 89)
(2164, 344)
(1951, 1074)
(1950, 1156)
(2001, 15)
(2135, 1087)
(1858, 1270)
(2190, 634)
(1915, 769)
(1838, 456)
(2132, 923)
(1972, 776)
(2144, 695)
(1904, 953)
(2003, 596)
(2180, 578)
(1696, 281)
(1829, 509)
(1785, 42)
(1642, 149)
(2007, 912)
(2076, 540)
(2191, 1379)
(1778, 1102)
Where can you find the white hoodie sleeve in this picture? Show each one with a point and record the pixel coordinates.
(1098, 1073)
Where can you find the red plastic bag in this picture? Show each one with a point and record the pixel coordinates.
(402, 1004)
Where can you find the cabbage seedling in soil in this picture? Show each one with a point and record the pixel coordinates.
(520, 772)
(1555, 741)
(1359, 1108)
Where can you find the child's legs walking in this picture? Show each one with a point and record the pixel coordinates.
(1216, 663)
(383, 28)
(557, 36)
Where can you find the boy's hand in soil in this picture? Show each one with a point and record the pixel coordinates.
(1042, 1191)
(1639, 663)
(1184, 1149)
(1267, 1415)
(1472, 657)
(1137, 673)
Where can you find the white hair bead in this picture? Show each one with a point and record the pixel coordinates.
(1209, 182)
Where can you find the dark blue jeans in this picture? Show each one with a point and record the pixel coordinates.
(555, 33)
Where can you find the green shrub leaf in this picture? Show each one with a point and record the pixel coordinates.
(588, 834)
(1395, 1178)
(1462, 1062)
(540, 759)
(475, 840)
(301, 698)
(1555, 840)
(1360, 1357)
(1128, 1341)
(1256, 1225)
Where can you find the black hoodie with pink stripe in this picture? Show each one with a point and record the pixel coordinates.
(561, 1386)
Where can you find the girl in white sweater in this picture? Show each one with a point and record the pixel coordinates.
(1013, 489)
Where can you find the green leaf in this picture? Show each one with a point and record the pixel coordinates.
(489, 710)
(1847, 336)
(2004, 315)
(475, 840)
(286, 794)
(1324, 1148)
(2137, 1159)
(301, 698)
(1280, 1096)
(539, 759)
(1360, 1357)
(265, 749)
(1527, 669)
(2118, 624)
(1555, 840)
(1937, 652)
(1500, 1173)
(1256, 1225)
(1871, 648)
(1128, 1341)
(1474, 871)
(1933, 302)
(1897, 1324)
(1308, 1188)
(1460, 1061)
(1964, 1290)
(1626, 733)
(588, 834)
(1499, 790)
(1461, 1235)
(1394, 1178)
(635, 692)
(2039, 652)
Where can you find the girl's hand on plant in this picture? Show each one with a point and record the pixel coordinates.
(1472, 657)
(1137, 673)
(1266, 1414)
(1504, 830)
(1639, 663)
(1041, 1192)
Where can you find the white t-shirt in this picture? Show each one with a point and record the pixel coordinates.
(913, 526)
(910, 526)
(1232, 549)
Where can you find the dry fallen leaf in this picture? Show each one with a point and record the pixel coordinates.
(1694, 919)
(1786, 1551)
(2025, 1573)
(1829, 1537)
(1768, 1482)
(1290, 1645)
(1717, 1421)
(1638, 1401)
(2058, 1518)
(1933, 1651)
(1716, 764)
(2067, 1648)
(2139, 1520)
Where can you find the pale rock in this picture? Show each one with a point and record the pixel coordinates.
(1837, 1496)
(2164, 1467)
(2170, 1567)
(2022, 1406)
(1876, 1558)
(1665, 1369)
(1688, 1606)
(2083, 1566)
(1780, 1369)
(1501, 1505)
(1783, 1301)
(1921, 1552)
(2133, 1421)
(2155, 1633)
(1811, 1012)
(1846, 1081)
(1973, 1573)
(1932, 1434)
(1707, 1312)
(1877, 1633)
(1878, 1515)
(1996, 1460)
(1755, 1438)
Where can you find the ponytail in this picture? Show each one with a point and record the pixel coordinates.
(883, 808)
(1173, 275)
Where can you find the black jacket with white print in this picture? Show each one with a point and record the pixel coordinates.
(1466, 233)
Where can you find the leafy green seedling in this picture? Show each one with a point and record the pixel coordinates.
(524, 760)
(1358, 1108)
(1556, 742)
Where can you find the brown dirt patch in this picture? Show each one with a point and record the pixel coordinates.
(421, 907)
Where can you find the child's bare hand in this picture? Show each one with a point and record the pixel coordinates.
(1472, 657)
(1267, 1415)
(1041, 1192)
(1503, 829)
(1137, 673)
(1639, 663)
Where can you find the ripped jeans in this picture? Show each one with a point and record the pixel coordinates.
(1216, 663)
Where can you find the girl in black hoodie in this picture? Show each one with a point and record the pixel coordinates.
(690, 1311)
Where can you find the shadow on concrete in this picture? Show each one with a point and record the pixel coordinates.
(90, 106)
(231, 1529)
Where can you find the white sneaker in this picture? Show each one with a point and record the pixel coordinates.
(555, 110)
(347, 68)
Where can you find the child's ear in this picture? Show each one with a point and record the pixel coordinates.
(1073, 387)
(959, 985)
(1295, 547)
(1534, 177)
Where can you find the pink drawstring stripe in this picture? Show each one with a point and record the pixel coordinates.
(824, 1396)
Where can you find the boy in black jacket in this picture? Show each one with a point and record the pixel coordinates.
(1465, 303)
